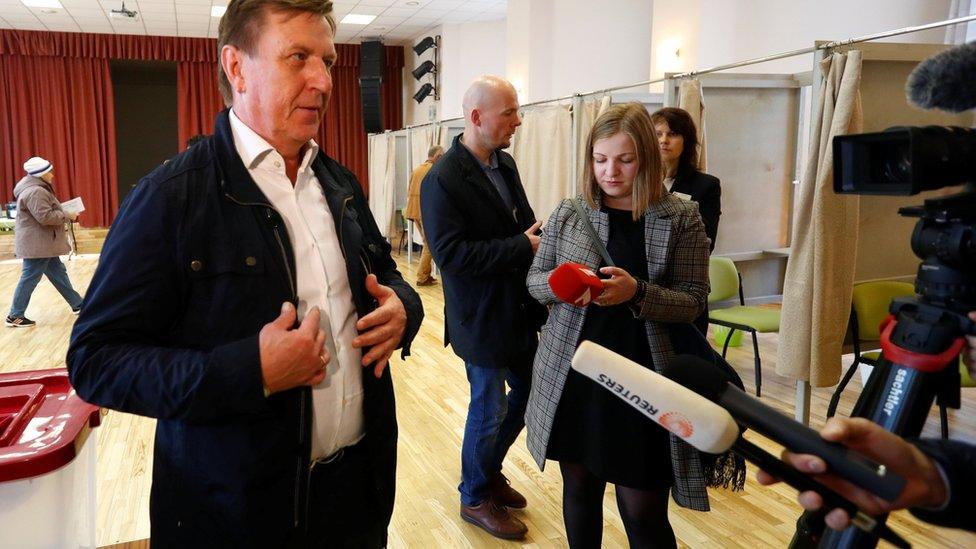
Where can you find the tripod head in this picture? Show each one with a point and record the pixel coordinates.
(945, 240)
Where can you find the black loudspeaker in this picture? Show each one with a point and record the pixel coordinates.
(372, 59)
(369, 89)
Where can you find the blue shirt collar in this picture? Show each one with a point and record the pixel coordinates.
(492, 162)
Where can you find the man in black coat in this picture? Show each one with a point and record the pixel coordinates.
(483, 235)
(246, 299)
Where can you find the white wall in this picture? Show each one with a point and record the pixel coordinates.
(551, 48)
(561, 47)
(529, 51)
(414, 113)
(467, 51)
(716, 32)
(595, 48)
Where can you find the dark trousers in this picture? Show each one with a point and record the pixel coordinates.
(342, 504)
(702, 322)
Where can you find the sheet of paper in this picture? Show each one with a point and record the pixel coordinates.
(73, 206)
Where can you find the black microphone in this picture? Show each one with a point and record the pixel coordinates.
(945, 81)
(696, 374)
(704, 424)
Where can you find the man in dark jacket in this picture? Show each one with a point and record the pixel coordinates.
(39, 238)
(270, 432)
(482, 234)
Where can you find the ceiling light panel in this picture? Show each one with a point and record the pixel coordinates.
(42, 4)
(357, 19)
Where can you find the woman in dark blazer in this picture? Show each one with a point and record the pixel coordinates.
(658, 244)
(678, 140)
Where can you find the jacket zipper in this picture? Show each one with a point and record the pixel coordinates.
(367, 265)
(303, 517)
(342, 217)
(303, 412)
(284, 256)
(281, 245)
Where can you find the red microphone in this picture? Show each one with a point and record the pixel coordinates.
(575, 284)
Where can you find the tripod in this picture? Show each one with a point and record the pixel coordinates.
(920, 341)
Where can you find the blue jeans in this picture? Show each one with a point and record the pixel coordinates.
(30, 275)
(494, 422)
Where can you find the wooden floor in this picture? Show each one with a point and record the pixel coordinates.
(431, 403)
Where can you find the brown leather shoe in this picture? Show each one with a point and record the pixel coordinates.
(494, 519)
(429, 282)
(501, 491)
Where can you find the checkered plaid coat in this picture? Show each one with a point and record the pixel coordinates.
(677, 264)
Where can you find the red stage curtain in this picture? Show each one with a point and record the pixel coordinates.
(42, 68)
(61, 109)
(197, 99)
(107, 46)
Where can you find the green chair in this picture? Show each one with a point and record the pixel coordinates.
(726, 282)
(869, 306)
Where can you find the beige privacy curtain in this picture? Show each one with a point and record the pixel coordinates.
(421, 139)
(589, 112)
(690, 99)
(382, 182)
(542, 148)
(820, 271)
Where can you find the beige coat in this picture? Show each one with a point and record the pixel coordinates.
(39, 229)
(413, 192)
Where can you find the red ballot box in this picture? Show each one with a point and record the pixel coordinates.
(47, 462)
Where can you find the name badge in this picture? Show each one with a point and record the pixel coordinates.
(682, 196)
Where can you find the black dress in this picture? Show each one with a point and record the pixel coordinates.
(593, 427)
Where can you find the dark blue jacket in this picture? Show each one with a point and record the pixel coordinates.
(196, 263)
(958, 461)
(484, 257)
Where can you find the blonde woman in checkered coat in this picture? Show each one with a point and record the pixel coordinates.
(659, 245)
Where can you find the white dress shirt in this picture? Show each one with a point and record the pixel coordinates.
(337, 420)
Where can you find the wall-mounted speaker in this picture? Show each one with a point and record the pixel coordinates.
(372, 59)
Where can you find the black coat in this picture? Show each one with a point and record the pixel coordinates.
(484, 257)
(196, 263)
(706, 191)
(958, 461)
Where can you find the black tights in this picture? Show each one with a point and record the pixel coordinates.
(644, 512)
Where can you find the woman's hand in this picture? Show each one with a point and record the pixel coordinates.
(619, 288)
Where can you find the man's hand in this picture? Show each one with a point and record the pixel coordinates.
(381, 329)
(290, 358)
(533, 238)
(73, 216)
(924, 486)
(617, 289)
